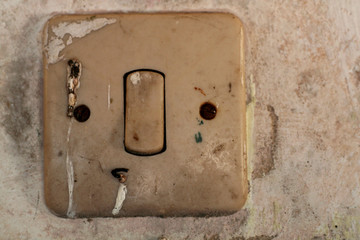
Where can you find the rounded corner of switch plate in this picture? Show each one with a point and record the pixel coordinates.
(234, 16)
(51, 19)
(243, 201)
(54, 210)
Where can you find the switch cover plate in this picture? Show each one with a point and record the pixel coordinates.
(201, 169)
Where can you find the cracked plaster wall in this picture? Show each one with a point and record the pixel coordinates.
(303, 77)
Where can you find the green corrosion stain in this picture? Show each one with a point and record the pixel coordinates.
(198, 137)
(200, 122)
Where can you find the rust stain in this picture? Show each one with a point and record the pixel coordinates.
(200, 90)
(136, 137)
(309, 84)
(267, 153)
(219, 148)
(275, 125)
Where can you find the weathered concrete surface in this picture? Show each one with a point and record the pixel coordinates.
(303, 62)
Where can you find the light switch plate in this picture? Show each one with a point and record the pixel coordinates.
(202, 171)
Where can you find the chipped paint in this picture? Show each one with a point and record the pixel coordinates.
(135, 78)
(53, 49)
(69, 41)
(76, 30)
(120, 198)
(82, 28)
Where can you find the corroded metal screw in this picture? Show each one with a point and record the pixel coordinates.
(120, 174)
(208, 111)
(122, 178)
(73, 83)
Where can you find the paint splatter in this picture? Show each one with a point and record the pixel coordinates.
(200, 90)
(198, 137)
(200, 122)
(120, 199)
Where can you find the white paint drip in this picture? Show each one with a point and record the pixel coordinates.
(70, 174)
(109, 97)
(120, 199)
(74, 29)
(135, 78)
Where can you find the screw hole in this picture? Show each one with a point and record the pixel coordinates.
(208, 111)
(115, 172)
(82, 113)
(118, 173)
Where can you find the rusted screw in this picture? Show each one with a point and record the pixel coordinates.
(119, 173)
(82, 113)
(122, 178)
(208, 111)
(72, 84)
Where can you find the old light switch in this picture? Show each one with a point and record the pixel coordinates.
(157, 125)
(144, 112)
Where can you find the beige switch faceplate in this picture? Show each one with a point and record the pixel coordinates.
(202, 168)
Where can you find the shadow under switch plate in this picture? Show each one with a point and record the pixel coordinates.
(144, 115)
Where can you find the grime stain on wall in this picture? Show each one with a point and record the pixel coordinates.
(267, 152)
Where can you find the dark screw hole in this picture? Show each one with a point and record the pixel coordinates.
(115, 172)
(208, 111)
(82, 113)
